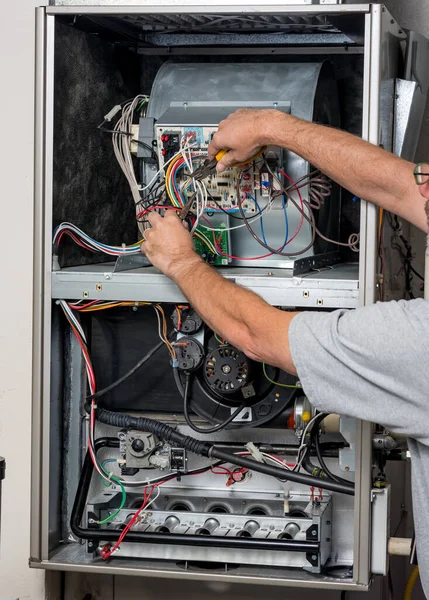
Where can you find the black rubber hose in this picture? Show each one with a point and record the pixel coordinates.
(167, 433)
(164, 432)
(252, 465)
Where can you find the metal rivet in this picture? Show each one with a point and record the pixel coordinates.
(98, 287)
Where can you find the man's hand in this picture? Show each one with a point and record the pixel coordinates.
(168, 245)
(243, 133)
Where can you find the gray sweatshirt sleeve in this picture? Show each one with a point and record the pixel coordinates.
(370, 363)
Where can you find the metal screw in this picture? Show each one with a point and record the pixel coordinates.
(107, 276)
(185, 104)
(270, 273)
(226, 369)
(271, 527)
(347, 468)
(314, 557)
(275, 103)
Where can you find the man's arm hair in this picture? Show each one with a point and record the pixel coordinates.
(366, 170)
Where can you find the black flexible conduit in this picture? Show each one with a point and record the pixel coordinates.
(167, 433)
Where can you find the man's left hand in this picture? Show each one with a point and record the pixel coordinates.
(168, 244)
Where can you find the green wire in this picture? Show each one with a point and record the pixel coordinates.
(293, 387)
(124, 493)
(219, 340)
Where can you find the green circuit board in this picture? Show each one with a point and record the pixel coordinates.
(204, 251)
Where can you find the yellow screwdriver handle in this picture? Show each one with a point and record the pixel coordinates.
(222, 153)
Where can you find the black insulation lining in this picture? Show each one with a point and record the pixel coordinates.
(91, 76)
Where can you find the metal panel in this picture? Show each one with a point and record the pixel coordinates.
(136, 5)
(73, 558)
(380, 531)
(367, 276)
(132, 7)
(335, 287)
(36, 425)
(46, 258)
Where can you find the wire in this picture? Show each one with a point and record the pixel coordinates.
(220, 426)
(85, 241)
(128, 374)
(293, 387)
(107, 553)
(411, 582)
(121, 506)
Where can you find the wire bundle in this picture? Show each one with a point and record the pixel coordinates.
(121, 140)
(88, 243)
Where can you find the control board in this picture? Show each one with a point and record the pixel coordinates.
(251, 182)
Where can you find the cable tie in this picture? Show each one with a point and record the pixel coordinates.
(255, 452)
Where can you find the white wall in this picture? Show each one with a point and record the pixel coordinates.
(16, 179)
(16, 193)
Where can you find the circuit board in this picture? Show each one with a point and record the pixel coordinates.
(221, 243)
(254, 184)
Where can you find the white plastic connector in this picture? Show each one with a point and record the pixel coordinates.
(134, 138)
(257, 454)
(113, 112)
(55, 263)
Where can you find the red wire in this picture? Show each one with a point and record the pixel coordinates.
(77, 240)
(157, 207)
(146, 498)
(80, 306)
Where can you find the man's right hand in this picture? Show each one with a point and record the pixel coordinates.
(243, 133)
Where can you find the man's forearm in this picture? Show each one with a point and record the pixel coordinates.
(237, 314)
(366, 170)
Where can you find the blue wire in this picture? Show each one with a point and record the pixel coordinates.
(262, 225)
(260, 212)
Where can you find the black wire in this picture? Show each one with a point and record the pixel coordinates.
(316, 440)
(127, 375)
(219, 427)
(343, 595)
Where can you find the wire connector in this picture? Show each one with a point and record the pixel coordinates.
(112, 113)
(55, 263)
(255, 452)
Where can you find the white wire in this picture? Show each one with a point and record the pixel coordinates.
(152, 500)
(276, 461)
(73, 318)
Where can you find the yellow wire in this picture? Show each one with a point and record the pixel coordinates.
(173, 199)
(294, 387)
(409, 587)
(164, 332)
(206, 241)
